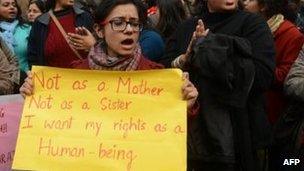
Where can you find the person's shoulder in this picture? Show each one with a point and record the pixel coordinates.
(82, 13)
(253, 24)
(24, 27)
(250, 17)
(42, 19)
(289, 27)
(149, 32)
(22, 30)
(151, 36)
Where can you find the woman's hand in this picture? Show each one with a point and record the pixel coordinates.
(190, 93)
(27, 87)
(199, 32)
(82, 40)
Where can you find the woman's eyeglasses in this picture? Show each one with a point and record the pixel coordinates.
(120, 24)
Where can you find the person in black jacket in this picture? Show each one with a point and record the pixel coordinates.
(231, 64)
(47, 46)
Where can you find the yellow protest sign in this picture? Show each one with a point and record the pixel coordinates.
(98, 120)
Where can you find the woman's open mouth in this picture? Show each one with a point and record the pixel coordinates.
(127, 42)
(12, 13)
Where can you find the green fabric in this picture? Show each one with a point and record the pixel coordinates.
(21, 35)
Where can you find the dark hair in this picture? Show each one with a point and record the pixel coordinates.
(291, 13)
(40, 4)
(273, 7)
(106, 6)
(50, 4)
(143, 13)
(19, 13)
(171, 14)
(150, 3)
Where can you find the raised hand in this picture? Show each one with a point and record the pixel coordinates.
(199, 32)
(82, 40)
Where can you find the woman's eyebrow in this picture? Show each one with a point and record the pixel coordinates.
(123, 18)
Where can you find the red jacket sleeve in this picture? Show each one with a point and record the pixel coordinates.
(287, 52)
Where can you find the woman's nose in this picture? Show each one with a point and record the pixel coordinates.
(11, 6)
(128, 28)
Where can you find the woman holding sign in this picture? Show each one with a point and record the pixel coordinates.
(119, 23)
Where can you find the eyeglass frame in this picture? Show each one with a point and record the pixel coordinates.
(105, 22)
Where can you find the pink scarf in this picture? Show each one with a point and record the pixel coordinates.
(99, 60)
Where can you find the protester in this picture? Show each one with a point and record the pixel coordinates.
(290, 128)
(151, 43)
(47, 44)
(229, 54)
(119, 24)
(35, 9)
(288, 43)
(14, 31)
(9, 70)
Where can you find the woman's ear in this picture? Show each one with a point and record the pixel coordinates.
(98, 30)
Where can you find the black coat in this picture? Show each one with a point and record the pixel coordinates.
(231, 68)
(39, 33)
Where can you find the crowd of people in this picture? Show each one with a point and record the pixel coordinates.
(244, 58)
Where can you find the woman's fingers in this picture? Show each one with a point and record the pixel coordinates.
(27, 87)
(185, 76)
(201, 25)
(82, 39)
(206, 32)
(200, 29)
(189, 91)
(76, 41)
(199, 32)
(86, 31)
(80, 31)
(75, 38)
